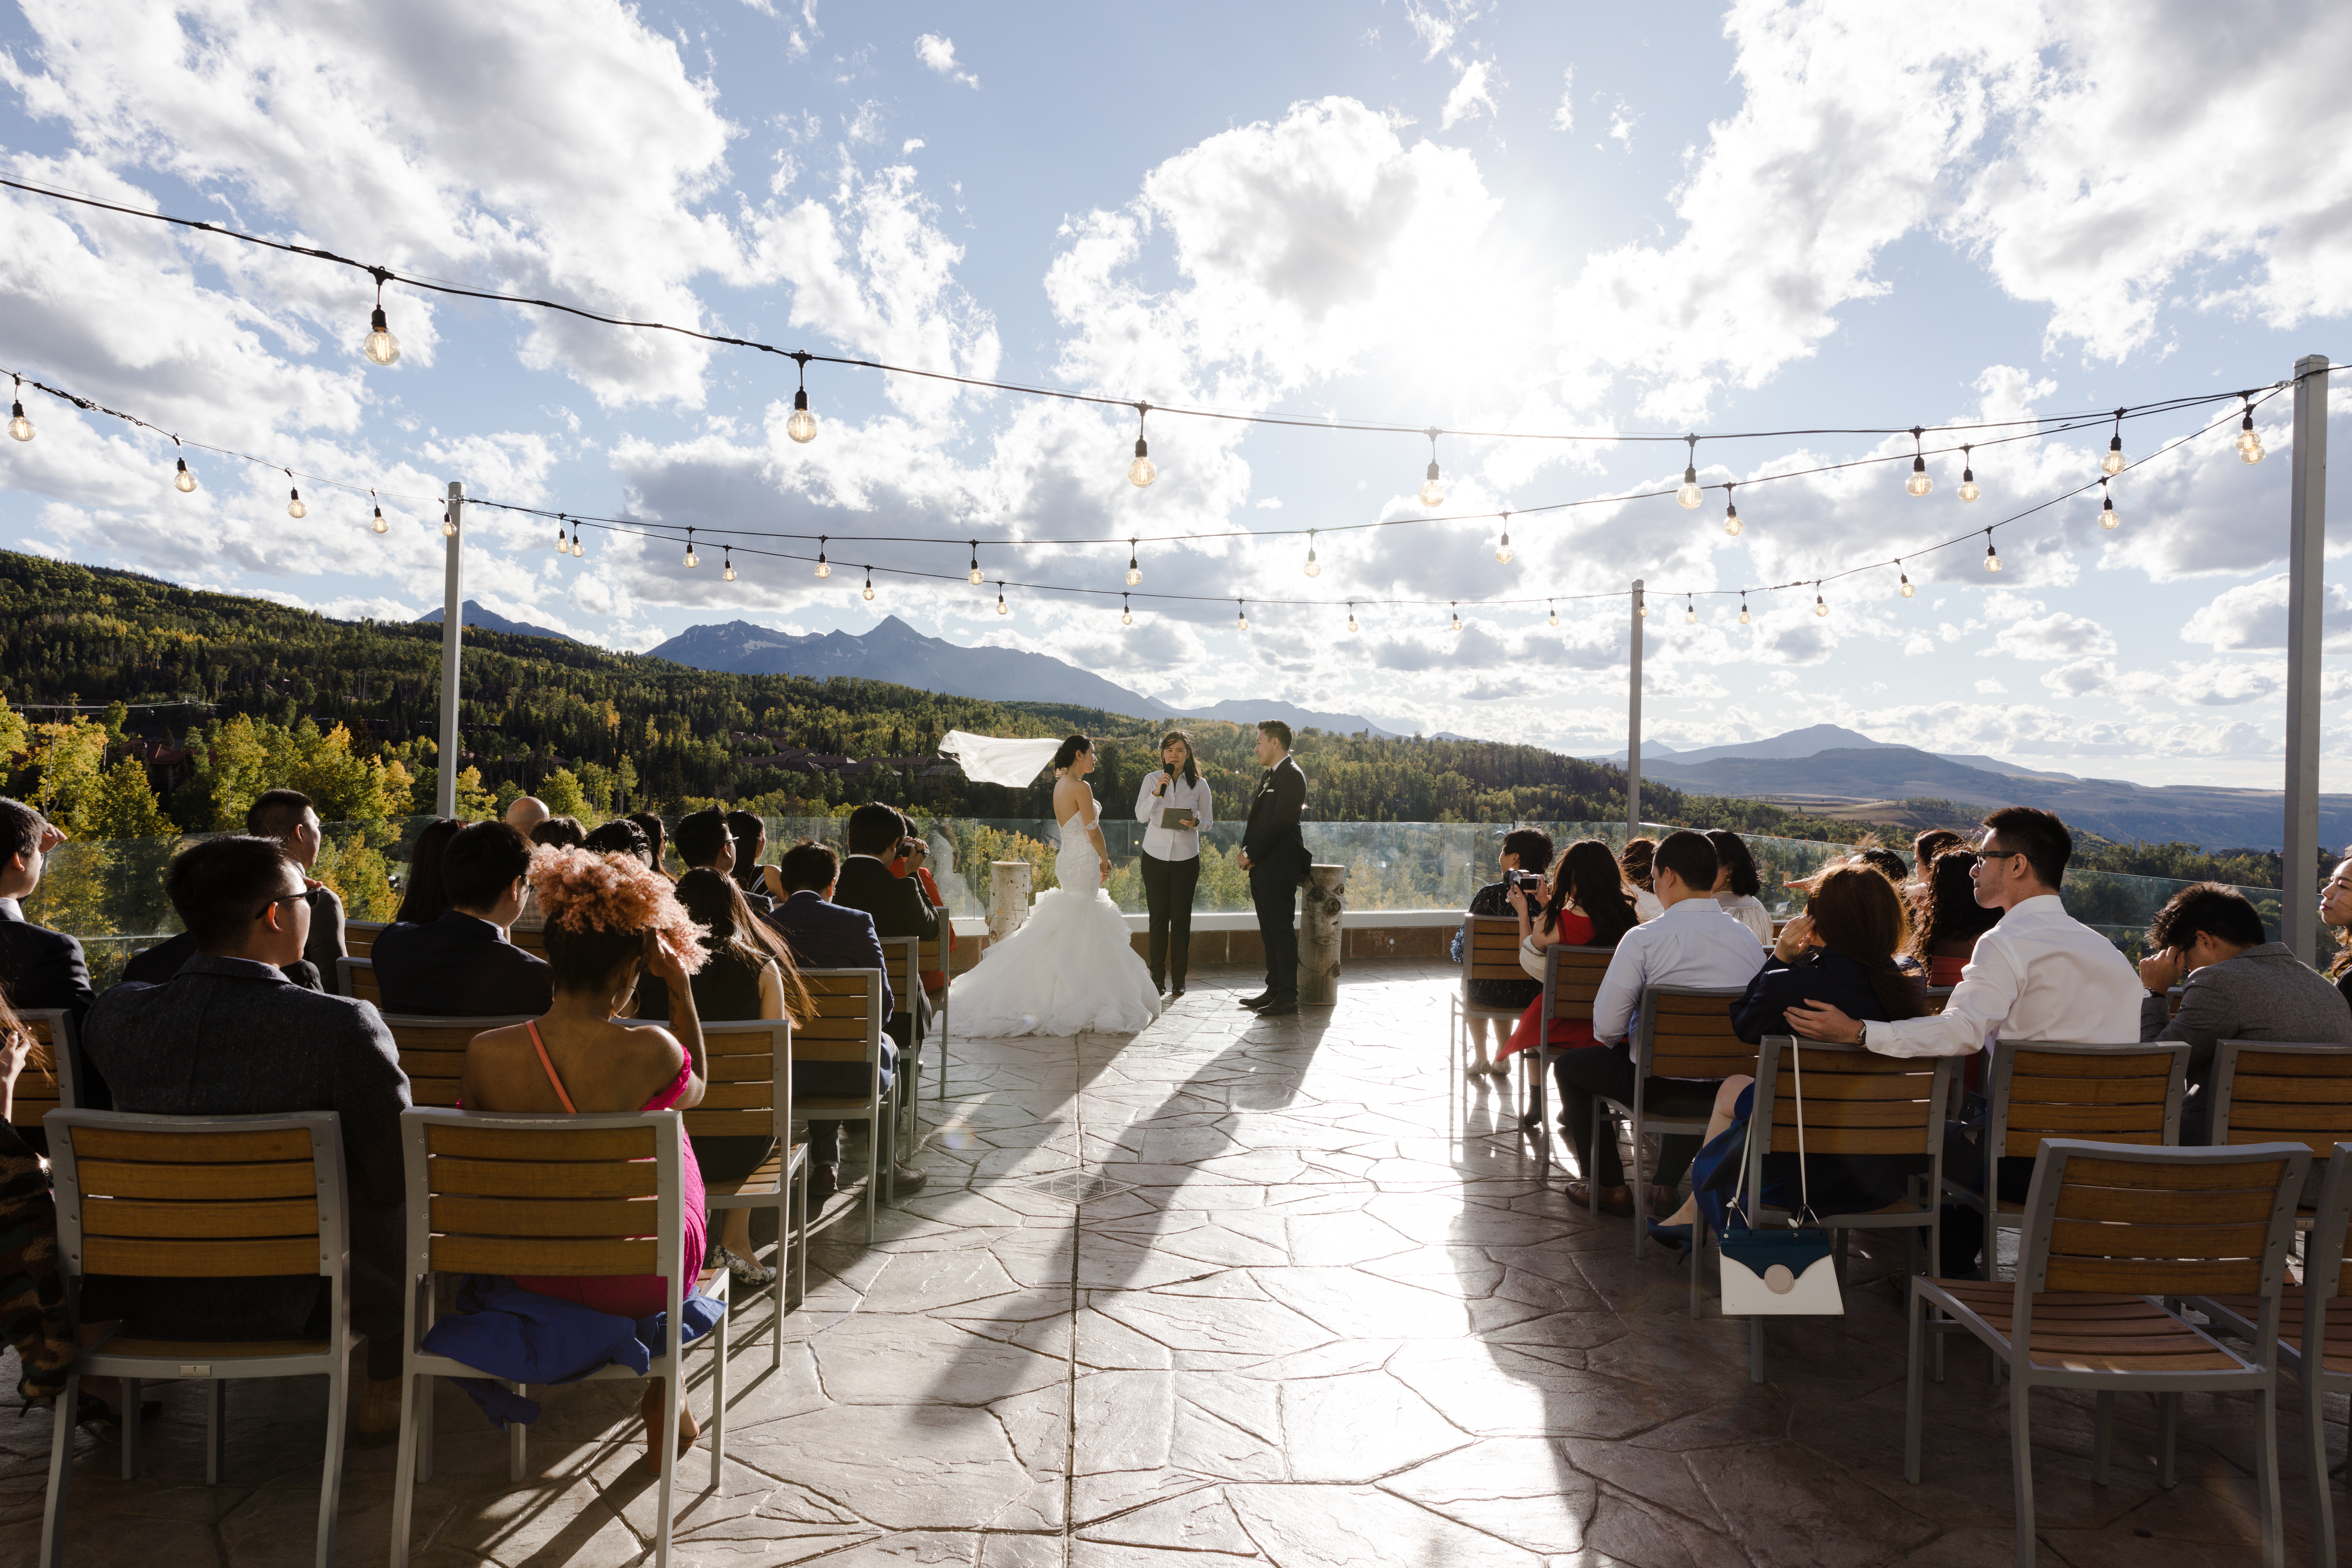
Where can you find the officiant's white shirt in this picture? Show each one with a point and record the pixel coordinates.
(1170, 843)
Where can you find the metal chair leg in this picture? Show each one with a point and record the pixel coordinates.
(516, 1438)
(2020, 1462)
(330, 1480)
(215, 1428)
(61, 1437)
(2315, 1445)
(2266, 1470)
(2103, 1425)
(409, 1467)
(718, 1402)
(1915, 1391)
(425, 1385)
(130, 1426)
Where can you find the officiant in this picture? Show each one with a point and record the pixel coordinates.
(1174, 804)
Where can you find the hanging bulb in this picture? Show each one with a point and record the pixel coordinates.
(1503, 551)
(692, 559)
(378, 522)
(1992, 557)
(869, 584)
(1969, 491)
(1642, 610)
(1433, 489)
(823, 567)
(1126, 612)
(1134, 572)
(1457, 622)
(1555, 613)
(972, 576)
(2250, 445)
(183, 481)
(379, 345)
(1907, 589)
(727, 556)
(802, 426)
(1241, 616)
(1731, 523)
(1821, 606)
(578, 549)
(1687, 497)
(294, 507)
(1140, 472)
(1314, 567)
(1690, 616)
(22, 429)
(1352, 618)
(2107, 517)
(562, 545)
(1001, 607)
(2115, 461)
(1918, 484)
(1743, 609)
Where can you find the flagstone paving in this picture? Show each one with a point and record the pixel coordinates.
(1231, 1291)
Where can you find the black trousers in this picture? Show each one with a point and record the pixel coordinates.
(1275, 894)
(1964, 1228)
(1167, 888)
(1592, 1070)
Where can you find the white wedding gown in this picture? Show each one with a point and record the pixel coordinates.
(1069, 970)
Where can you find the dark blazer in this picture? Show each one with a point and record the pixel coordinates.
(459, 967)
(1272, 837)
(827, 936)
(896, 903)
(1817, 977)
(165, 959)
(231, 1037)
(42, 969)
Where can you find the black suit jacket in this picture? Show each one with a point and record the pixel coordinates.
(827, 936)
(164, 960)
(459, 967)
(1271, 838)
(42, 969)
(896, 903)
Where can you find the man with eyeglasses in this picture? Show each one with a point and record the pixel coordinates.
(2039, 974)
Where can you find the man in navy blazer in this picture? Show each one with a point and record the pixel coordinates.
(39, 968)
(825, 935)
(462, 965)
(897, 904)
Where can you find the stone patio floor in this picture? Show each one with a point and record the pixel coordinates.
(1226, 1292)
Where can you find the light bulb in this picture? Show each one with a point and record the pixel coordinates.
(1457, 622)
(1820, 606)
(294, 507)
(1240, 621)
(448, 524)
(1642, 612)
(1555, 615)
(2115, 461)
(578, 549)
(1352, 618)
(1918, 484)
(1503, 552)
(1002, 609)
(22, 429)
(692, 559)
(2250, 445)
(1691, 616)
(1907, 589)
(562, 545)
(1687, 498)
(1970, 490)
(1433, 491)
(802, 426)
(1134, 572)
(869, 584)
(1731, 523)
(729, 573)
(1743, 609)
(379, 345)
(1140, 472)
(1126, 612)
(378, 523)
(1992, 559)
(2107, 517)
(1314, 567)
(823, 567)
(183, 481)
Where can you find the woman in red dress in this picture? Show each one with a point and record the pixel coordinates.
(1587, 905)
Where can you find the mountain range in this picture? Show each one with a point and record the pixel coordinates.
(474, 614)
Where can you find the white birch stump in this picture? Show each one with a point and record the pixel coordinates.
(1008, 897)
(1322, 899)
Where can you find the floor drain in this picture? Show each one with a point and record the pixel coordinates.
(1077, 1186)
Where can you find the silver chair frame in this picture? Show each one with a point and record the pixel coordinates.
(879, 1167)
(1639, 1114)
(1535, 1067)
(904, 956)
(65, 1040)
(345, 969)
(1460, 1011)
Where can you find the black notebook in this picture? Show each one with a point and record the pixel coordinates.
(1177, 818)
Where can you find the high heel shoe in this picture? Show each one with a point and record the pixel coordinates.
(1678, 1237)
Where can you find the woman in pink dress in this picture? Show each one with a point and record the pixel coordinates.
(609, 919)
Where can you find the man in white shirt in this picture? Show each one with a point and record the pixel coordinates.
(2039, 974)
(1692, 943)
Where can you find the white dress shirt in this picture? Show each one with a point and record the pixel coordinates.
(1693, 943)
(2039, 974)
(1646, 907)
(1172, 843)
(1749, 912)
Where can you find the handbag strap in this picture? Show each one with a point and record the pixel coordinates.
(1804, 1185)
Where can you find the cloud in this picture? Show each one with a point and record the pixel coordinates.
(2253, 616)
(939, 54)
(1470, 97)
(2059, 636)
(1991, 687)
(1564, 117)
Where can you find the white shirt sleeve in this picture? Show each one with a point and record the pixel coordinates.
(1988, 989)
(1143, 812)
(1621, 990)
(1204, 803)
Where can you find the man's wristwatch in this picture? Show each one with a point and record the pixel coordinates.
(1862, 1034)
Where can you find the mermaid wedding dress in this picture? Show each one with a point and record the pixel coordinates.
(1069, 970)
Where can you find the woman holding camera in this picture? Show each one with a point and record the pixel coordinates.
(1172, 855)
(1525, 856)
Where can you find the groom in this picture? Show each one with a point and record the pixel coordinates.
(1274, 853)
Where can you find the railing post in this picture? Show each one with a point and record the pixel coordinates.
(2307, 556)
(453, 629)
(1633, 725)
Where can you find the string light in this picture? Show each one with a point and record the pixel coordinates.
(1743, 608)
(692, 559)
(294, 507)
(1503, 551)
(869, 585)
(1126, 612)
(22, 429)
(578, 549)
(1918, 484)
(2115, 461)
(802, 426)
(1969, 488)
(1642, 610)
(1690, 611)
(1351, 617)
(1993, 556)
(1907, 589)
(1134, 571)
(1555, 612)
(183, 481)
(380, 346)
(727, 555)
(1432, 490)
(1002, 609)
(2250, 445)
(562, 545)
(972, 576)
(823, 567)
(377, 522)
(1140, 472)
(1731, 523)
(2107, 517)
(448, 523)
(1457, 619)
(1314, 567)
(1241, 616)
(1820, 605)
(1687, 497)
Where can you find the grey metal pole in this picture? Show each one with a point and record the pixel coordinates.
(1633, 725)
(453, 630)
(2305, 561)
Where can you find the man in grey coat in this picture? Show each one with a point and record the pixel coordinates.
(2235, 987)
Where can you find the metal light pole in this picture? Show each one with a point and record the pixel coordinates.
(1633, 726)
(453, 617)
(2305, 562)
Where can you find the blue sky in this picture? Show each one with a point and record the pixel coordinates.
(1511, 217)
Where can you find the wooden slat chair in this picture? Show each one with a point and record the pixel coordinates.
(359, 938)
(904, 954)
(1572, 980)
(2038, 1090)
(1856, 1102)
(356, 977)
(433, 1053)
(2109, 1230)
(1937, 996)
(848, 1028)
(1490, 951)
(938, 957)
(748, 1093)
(532, 939)
(207, 1197)
(47, 1083)
(2267, 1093)
(544, 1195)
(1683, 1032)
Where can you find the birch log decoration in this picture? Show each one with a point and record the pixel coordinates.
(1322, 899)
(1008, 897)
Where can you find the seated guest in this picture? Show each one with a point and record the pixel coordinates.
(1587, 905)
(622, 836)
(608, 920)
(704, 842)
(749, 831)
(227, 1036)
(825, 935)
(2039, 974)
(1842, 950)
(462, 965)
(650, 825)
(876, 833)
(912, 853)
(1950, 918)
(525, 813)
(2236, 985)
(749, 973)
(559, 833)
(1736, 884)
(1527, 852)
(40, 969)
(422, 899)
(1930, 842)
(288, 817)
(2336, 909)
(1693, 943)
(1886, 862)
(1634, 861)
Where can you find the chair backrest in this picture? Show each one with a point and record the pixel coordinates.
(747, 1084)
(492, 1192)
(2266, 1094)
(848, 1023)
(47, 1083)
(904, 956)
(199, 1196)
(2138, 1221)
(433, 1052)
(934, 956)
(1686, 1032)
(530, 939)
(2116, 1094)
(356, 977)
(2322, 1250)
(1571, 978)
(1490, 950)
(1856, 1101)
(1937, 996)
(359, 938)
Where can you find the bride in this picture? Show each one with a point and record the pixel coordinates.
(1071, 968)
